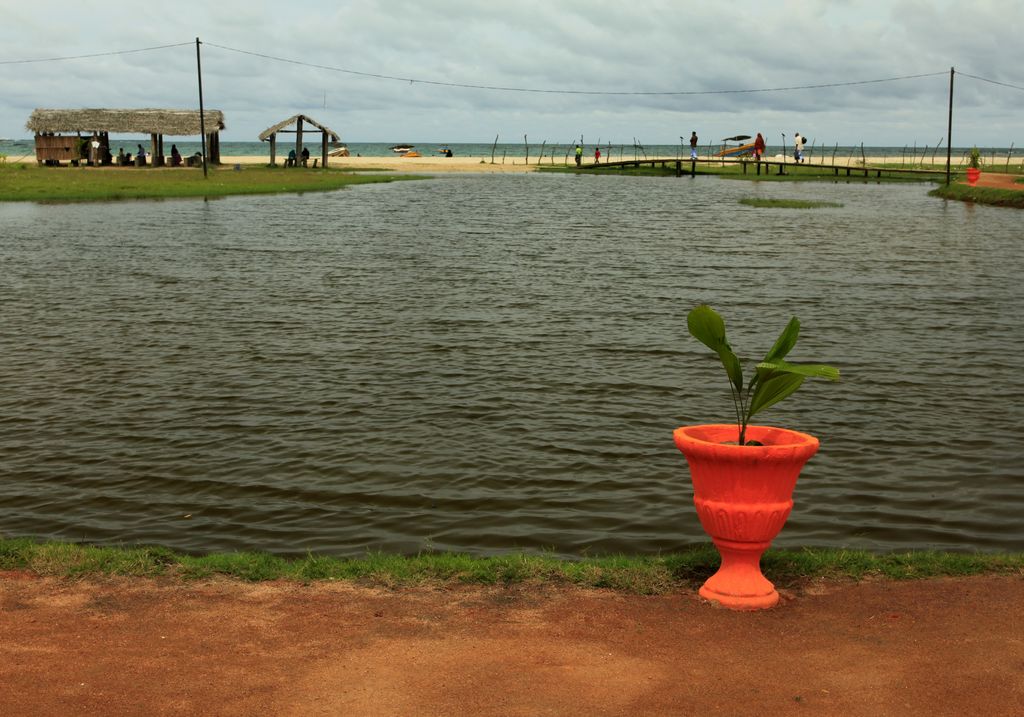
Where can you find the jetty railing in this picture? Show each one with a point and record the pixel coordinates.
(765, 165)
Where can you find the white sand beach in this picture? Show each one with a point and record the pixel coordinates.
(418, 165)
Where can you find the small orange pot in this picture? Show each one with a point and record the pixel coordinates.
(973, 175)
(743, 496)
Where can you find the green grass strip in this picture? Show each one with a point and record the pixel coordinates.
(23, 182)
(786, 203)
(980, 195)
(645, 575)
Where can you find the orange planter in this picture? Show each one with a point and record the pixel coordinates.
(973, 175)
(743, 496)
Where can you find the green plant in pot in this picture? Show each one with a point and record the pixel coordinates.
(974, 167)
(744, 475)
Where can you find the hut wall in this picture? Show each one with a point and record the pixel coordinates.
(62, 148)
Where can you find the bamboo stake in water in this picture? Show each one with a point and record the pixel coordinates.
(493, 147)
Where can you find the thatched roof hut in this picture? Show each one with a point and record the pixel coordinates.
(145, 121)
(326, 134)
(154, 122)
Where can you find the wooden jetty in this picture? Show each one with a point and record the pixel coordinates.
(765, 165)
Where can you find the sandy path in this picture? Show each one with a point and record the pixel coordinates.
(132, 647)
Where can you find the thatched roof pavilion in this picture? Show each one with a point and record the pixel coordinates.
(154, 122)
(298, 120)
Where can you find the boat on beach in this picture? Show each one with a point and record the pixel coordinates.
(739, 150)
(401, 148)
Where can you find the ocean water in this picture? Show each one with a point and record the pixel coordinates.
(491, 363)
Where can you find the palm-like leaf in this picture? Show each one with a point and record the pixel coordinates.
(773, 390)
(810, 370)
(785, 343)
(708, 327)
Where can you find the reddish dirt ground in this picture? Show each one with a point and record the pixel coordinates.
(1000, 181)
(144, 647)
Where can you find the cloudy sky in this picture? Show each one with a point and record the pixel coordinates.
(335, 60)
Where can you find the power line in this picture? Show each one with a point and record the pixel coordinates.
(994, 82)
(413, 80)
(96, 54)
(463, 85)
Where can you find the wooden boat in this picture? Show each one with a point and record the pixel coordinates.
(738, 151)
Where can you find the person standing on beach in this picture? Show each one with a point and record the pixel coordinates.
(579, 155)
(758, 147)
(798, 147)
(693, 145)
(597, 155)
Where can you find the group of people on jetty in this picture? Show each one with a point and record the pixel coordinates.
(756, 148)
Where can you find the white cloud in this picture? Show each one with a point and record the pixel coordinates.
(592, 45)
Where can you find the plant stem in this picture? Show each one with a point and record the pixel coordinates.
(737, 402)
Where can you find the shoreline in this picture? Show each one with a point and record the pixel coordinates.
(638, 574)
(483, 165)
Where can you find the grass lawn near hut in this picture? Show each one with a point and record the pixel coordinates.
(27, 182)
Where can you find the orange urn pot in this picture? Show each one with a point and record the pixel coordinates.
(743, 496)
(973, 175)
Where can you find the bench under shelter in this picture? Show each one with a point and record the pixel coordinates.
(300, 121)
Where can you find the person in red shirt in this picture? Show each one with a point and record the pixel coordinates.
(758, 147)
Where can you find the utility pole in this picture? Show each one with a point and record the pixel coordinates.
(949, 130)
(202, 115)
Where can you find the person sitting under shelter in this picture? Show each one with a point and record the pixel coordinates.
(305, 156)
(175, 156)
(290, 162)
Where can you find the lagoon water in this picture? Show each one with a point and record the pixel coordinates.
(488, 363)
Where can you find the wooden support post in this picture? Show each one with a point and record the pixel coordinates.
(155, 150)
(273, 150)
(679, 168)
(323, 150)
(298, 140)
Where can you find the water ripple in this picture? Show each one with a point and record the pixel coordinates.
(497, 362)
